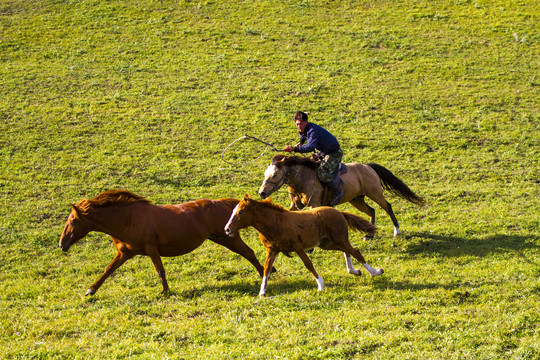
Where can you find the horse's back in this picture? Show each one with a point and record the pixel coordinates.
(208, 211)
(361, 179)
(326, 215)
(183, 227)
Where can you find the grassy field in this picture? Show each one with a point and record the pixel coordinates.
(145, 95)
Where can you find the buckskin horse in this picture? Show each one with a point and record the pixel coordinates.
(138, 227)
(286, 231)
(359, 180)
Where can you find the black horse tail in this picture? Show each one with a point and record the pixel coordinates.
(357, 223)
(391, 183)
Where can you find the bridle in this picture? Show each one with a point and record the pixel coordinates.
(274, 183)
(283, 178)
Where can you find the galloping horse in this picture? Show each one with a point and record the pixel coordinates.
(285, 231)
(359, 181)
(138, 227)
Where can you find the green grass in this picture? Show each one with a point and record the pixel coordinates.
(146, 95)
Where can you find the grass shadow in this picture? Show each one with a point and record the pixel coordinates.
(451, 246)
(251, 288)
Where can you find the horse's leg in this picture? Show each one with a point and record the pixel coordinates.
(358, 256)
(270, 257)
(350, 267)
(119, 259)
(310, 267)
(330, 245)
(344, 245)
(360, 203)
(385, 205)
(153, 253)
(235, 244)
(394, 220)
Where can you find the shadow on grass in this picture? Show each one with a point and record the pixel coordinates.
(251, 288)
(451, 246)
(386, 283)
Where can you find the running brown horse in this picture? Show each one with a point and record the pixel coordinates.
(138, 227)
(286, 231)
(359, 180)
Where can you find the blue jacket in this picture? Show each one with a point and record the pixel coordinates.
(317, 139)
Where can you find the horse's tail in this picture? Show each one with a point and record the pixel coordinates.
(393, 184)
(357, 223)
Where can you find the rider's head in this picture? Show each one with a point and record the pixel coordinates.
(301, 120)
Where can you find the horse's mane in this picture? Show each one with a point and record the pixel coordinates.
(230, 202)
(267, 203)
(109, 197)
(283, 160)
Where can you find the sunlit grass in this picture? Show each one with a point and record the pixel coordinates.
(146, 96)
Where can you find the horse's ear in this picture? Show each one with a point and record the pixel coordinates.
(279, 160)
(78, 212)
(247, 198)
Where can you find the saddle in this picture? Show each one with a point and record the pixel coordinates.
(342, 169)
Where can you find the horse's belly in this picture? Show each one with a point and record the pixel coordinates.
(170, 251)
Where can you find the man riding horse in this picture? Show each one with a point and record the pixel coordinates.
(330, 152)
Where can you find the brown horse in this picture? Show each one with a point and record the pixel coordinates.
(359, 181)
(285, 231)
(138, 227)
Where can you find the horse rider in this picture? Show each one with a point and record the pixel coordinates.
(320, 139)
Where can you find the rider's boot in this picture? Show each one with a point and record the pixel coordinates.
(337, 194)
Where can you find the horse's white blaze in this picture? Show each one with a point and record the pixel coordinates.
(372, 271)
(264, 282)
(235, 210)
(270, 171)
(320, 283)
(350, 267)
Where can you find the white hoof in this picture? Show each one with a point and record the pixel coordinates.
(320, 284)
(377, 272)
(354, 272)
(396, 232)
(373, 272)
(90, 292)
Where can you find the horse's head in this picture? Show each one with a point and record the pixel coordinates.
(239, 218)
(274, 178)
(77, 226)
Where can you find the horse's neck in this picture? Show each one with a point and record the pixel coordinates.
(112, 220)
(265, 222)
(303, 179)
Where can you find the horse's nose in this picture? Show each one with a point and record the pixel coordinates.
(64, 244)
(262, 194)
(228, 230)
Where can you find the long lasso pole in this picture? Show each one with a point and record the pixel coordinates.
(248, 137)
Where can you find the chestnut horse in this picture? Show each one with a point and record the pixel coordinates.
(138, 227)
(285, 231)
(359, 181)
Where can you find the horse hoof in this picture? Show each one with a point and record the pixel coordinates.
(378, 272)
(90, 292)
(368, 237)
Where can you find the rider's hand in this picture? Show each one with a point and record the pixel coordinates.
(289, 148)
